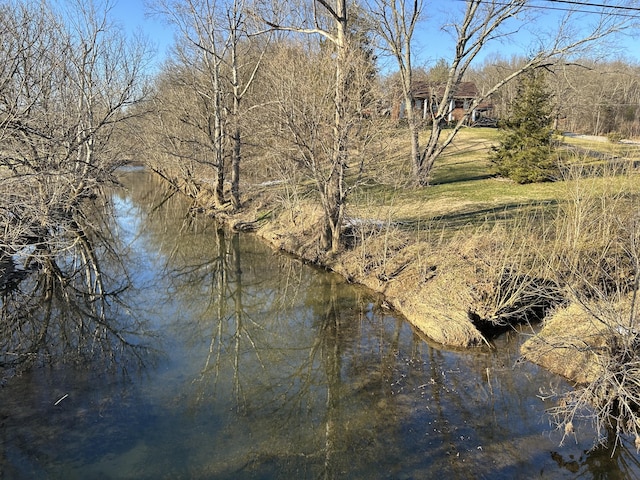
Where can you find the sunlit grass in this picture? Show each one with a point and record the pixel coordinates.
(465, 191)
(603, 146)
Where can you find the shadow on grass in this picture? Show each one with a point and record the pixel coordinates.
(488, 216)
(448, 179)
(462, 171)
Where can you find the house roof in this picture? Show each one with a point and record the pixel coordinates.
(464, 90)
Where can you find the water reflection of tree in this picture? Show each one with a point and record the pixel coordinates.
(282, 345)
(233, 324)
(202, 267)
(341, 394)
(615, 460)
(273, 352)
(361, 412)
(63, 300)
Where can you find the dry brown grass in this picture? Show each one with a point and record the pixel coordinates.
(590, 344)
(431, 293)
(593, 250)
(454, 251)
(567, 345)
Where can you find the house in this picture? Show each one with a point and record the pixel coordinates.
(427, 98)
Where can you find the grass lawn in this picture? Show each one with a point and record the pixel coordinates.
(465, 191)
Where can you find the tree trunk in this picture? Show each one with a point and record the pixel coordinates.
(334, 189)
(236, 158)
(414, 130)
(431, 152)
(236, 136)
(218, 141)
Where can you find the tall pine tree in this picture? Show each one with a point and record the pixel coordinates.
(525, 150)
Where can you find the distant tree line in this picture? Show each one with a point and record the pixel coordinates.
(590, 97)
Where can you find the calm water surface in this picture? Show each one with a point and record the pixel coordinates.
(261, 367)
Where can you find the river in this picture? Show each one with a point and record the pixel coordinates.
(228, 360)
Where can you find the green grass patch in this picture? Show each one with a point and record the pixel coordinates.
(465, 192)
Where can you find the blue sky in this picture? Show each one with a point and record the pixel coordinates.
(131, 14)
(431, 42)
(542, 21)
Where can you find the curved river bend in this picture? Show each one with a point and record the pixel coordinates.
(262, 367)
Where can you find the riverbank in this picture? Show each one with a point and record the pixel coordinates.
(431, 294)
(465, 259)
(459, 292)
(264, 367)
(446, 288)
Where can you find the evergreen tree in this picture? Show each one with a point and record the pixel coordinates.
(525, 150)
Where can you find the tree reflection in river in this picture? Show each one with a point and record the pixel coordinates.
(273, 337)
(298, 374)
(64, 300)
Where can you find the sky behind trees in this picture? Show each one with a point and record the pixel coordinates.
(431, 42)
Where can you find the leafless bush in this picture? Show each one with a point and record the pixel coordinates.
(65, 80)
(611, 398)
(512, 284)
(596, 258)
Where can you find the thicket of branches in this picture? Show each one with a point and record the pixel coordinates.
(66, 81)
(594, 256)
(592, 97)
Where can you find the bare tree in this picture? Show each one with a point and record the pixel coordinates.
(481, 21)
(106, 76)
(245, 59)
(201, 50)
(217, 60)
(397, 20)
(331, 21)
(63, 93)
